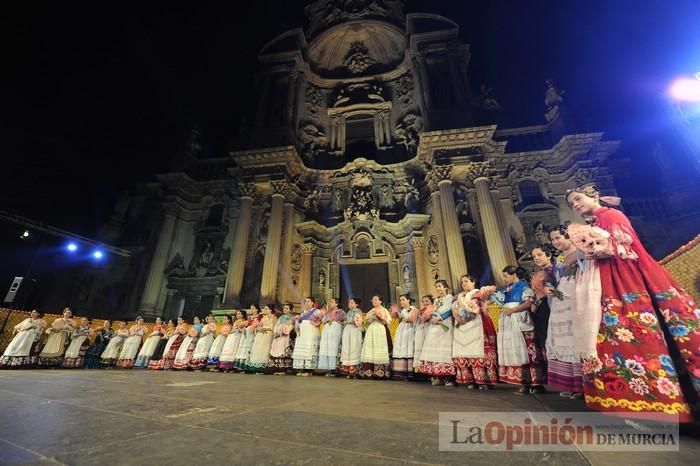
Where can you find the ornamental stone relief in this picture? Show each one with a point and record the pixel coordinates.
(313, 98)
(404, 90)
(408, 130)
(433, 250)
(358, 58)
(297, 258)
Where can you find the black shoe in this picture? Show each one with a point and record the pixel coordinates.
(537, 390)
(522, 391)
(472, 386)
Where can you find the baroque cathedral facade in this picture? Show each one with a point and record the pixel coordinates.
(370, 170)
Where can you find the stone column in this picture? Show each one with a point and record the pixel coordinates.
(268, 287)
(422, 276)
(239, 247)
(156, 274)
(500, 251)
(441, 175)
(284, 279)
(306, 270)
(442, 264)
(378, 130)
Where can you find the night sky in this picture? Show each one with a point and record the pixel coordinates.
(99, 97)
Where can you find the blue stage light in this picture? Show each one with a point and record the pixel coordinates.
(72, 247)
(686, 90)
(98, 254)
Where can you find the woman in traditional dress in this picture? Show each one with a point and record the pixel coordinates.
(244, 347)
(59, 337)
(159, 352)
(102, 337)
(189, 343)
(542, 285)
(260, 351)
(151, 343)
(436, 353)
(331, 337)
(171, 347)
(109, 356)
(218, 346)
(351, 343)
(206, 340)
(228, 353)
(474, 339)
(422, 326)
(564, 365)
(282, 343)
(23, 349)
(131, 346)
(305, 355)
(402, 355)
(519, 360)
(633, 365)
(78, 347)
(374, 359)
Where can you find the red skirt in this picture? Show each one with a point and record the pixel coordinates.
(483, 371)
(531, 373)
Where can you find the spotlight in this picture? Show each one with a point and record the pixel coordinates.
(97, 254)
(686, 90)
(72, 247)
(25, 234)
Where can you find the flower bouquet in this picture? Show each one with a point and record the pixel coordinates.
(357, 320)
(541, 286)
(592, 240)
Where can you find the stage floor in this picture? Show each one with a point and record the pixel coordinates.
(176, 418)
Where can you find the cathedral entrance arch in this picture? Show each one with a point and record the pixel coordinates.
(363, 280)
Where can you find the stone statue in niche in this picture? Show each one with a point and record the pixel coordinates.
(311, 201)
(408, 132)
(338, 204)
(265, 222)
(553, 99)
(406, 274)
(322, 278)
(412, 196)
(222, 268)
(387, 196)
(207, 255)
(462, 209)
(176, 268)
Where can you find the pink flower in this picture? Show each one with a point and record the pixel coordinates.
(667, 387)
(647, 318)
(639, 386)
(592, 365)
